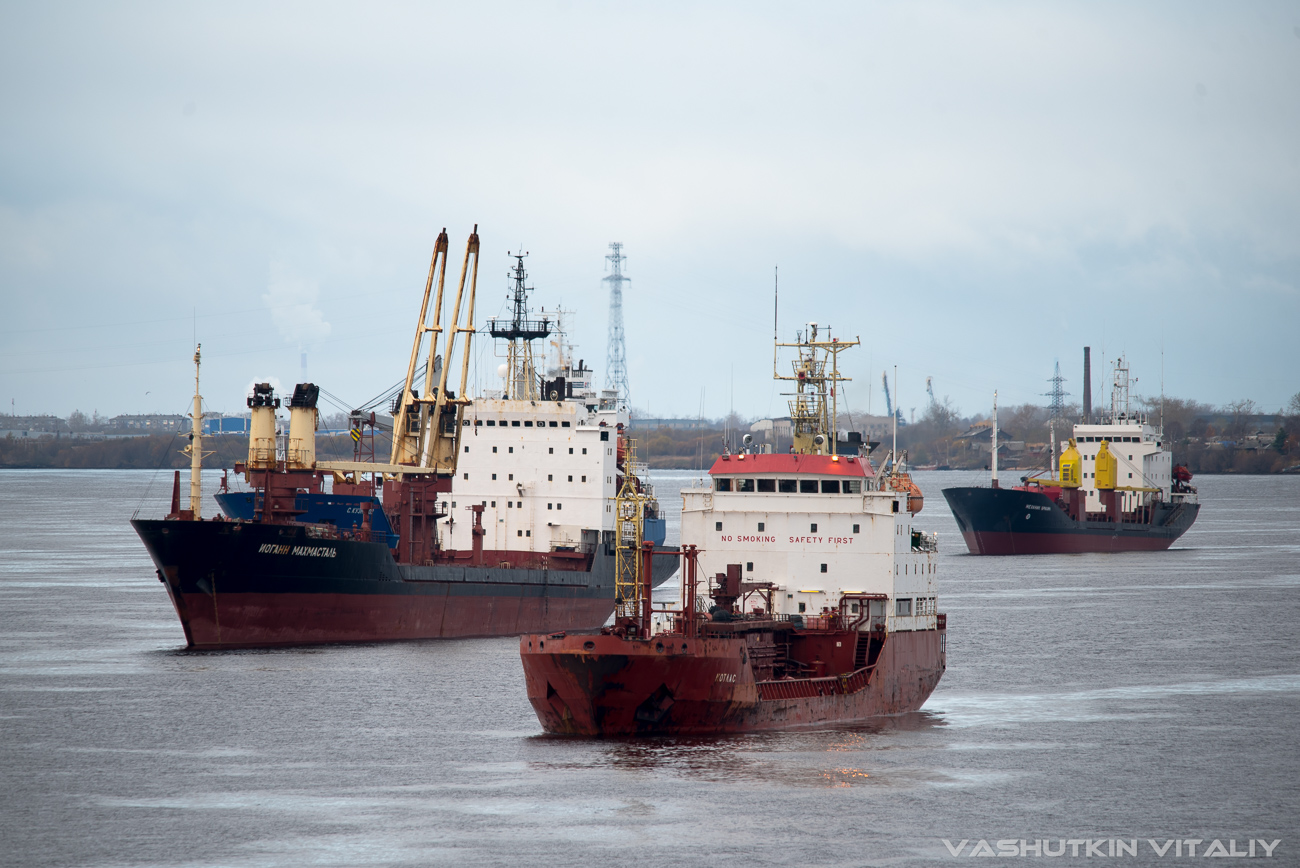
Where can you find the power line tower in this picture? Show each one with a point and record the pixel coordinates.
(1057, 406)
(616, 360)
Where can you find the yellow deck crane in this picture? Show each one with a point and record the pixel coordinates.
(427, 428)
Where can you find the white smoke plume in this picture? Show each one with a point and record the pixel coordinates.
(292, 301)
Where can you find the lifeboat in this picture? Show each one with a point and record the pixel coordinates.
(902, 482)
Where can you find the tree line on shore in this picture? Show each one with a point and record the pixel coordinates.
(1234, 438)
(1238, 437)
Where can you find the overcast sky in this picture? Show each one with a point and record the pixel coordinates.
(974, 190)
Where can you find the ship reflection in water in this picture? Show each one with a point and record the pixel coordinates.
(789, 759)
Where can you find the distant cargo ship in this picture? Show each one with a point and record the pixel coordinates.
(1117, 490)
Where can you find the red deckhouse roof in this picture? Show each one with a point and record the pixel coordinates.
(822, 465)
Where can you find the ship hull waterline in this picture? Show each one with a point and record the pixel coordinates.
(1016, 522)
(237, 585)
(619, 687)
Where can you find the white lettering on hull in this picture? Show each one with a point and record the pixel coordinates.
(300, 551)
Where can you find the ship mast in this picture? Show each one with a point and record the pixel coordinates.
(813, 405)
(631, 590)
(1119, 400)
(195, 448)
(995, 438)
(521, 373)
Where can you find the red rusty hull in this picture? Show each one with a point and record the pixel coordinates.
(606, 686)
(261, 620)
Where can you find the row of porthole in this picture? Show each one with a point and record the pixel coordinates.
(514, 423)
(550, 448)
(762, 527)
(550, 477)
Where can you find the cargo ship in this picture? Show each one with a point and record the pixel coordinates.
(1115, 488)
(808, 598)
(289, 576)
(543, 454)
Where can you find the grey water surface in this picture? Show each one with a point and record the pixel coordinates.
(1088, 698)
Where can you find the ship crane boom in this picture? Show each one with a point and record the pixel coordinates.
(426, 429)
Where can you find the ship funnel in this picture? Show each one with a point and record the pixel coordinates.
(261, 435)
(301, 454)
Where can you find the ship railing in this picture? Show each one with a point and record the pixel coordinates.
(355, 534)
(807, 688)
(573, 548)
(807, 622)
(925, 542)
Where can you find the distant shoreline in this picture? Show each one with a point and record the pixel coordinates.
(164, 452)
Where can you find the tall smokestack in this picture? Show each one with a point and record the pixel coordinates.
(1087, 384)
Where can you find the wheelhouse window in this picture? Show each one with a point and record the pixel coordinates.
(722, 483)
(851, 486)
(787, 486)
(768, 485)
(745, 485)
(807, 486)
(830, 486)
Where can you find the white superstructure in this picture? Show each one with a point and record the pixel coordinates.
(1137, 446)
(541, 454)
(544, 471)
(817, 528)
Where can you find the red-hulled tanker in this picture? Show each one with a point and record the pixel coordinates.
(807, 599)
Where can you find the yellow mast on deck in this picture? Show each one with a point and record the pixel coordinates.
(629, 512)
(814, 406)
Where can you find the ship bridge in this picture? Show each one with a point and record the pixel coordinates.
(792, 474)
(814, 528)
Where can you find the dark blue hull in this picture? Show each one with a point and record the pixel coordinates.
(1008, 521)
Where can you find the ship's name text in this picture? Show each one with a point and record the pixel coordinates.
(301, 551)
